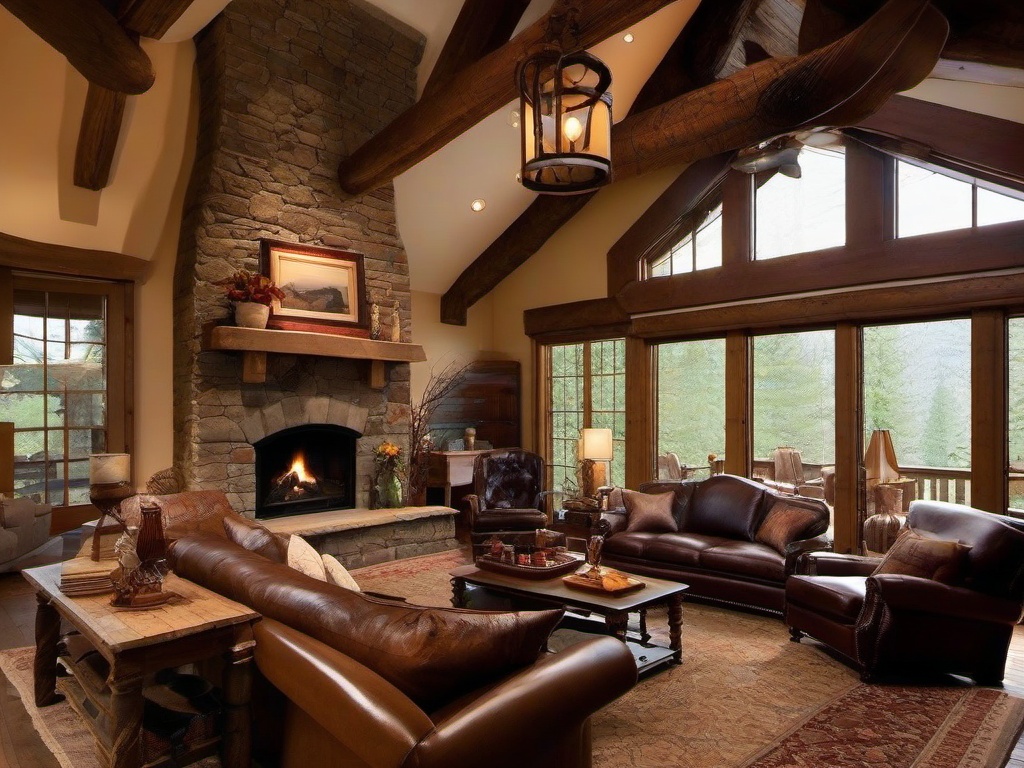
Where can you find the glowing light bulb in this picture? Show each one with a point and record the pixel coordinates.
(572, 129)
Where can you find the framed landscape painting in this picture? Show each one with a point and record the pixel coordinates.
(325, 288)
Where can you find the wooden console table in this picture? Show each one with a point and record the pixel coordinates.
(452, 468)
(136, 644)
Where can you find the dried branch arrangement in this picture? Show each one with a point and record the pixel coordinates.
(440, 384)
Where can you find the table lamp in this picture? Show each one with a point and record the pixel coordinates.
(109, 485)
(595, 453)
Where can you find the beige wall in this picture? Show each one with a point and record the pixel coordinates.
(570, 267)
(138, 213)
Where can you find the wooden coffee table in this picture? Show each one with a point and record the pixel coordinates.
(614, 609)
(135, 644)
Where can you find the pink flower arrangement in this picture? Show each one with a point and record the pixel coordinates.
(247, 286)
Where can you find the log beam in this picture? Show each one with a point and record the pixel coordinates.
(482, 26)
(91, 40)
(97, 137)
(18, 253)
(150, 18)
(476, 92)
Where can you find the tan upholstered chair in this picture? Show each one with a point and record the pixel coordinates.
(24, 528)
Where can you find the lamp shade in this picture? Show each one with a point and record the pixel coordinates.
(109, 468)
(566, 113)
(596, 444)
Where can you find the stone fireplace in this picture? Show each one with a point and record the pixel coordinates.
(287, 89)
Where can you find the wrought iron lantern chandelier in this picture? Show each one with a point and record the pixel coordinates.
(566, 111)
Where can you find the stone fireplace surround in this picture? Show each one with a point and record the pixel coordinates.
(287, 89)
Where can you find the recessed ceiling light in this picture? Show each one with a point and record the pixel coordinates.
(478, 205)
(628, 37)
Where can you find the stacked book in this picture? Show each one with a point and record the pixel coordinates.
(84, 576)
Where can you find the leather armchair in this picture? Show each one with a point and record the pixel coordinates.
(507, 492)
(891, 623)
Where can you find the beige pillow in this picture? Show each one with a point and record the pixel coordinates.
(913, 554)
(304, 559)
(783, 524)
(649, 512)
(338, 574)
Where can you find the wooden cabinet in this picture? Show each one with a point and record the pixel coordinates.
(488, 399)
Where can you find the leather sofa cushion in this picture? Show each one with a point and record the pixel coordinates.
(250, 535)
(650, 512)
(674, 548)
(183, 513)
(433, 655)
(745, 558)
(727, 506)
(839, 597)
(510, 519)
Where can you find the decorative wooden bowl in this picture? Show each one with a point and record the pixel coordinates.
(558, 565)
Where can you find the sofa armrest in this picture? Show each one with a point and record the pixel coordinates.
(360, 709)
(612, 521)
(912, 593)
(474, 508)
(796, 550)
(532, 702)
(836, 564)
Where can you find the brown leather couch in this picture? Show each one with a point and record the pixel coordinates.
(893, 623)
(715, 550)
(350, 680)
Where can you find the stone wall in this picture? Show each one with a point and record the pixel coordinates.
(287, 89)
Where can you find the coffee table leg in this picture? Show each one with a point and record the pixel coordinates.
(45, 666)
(458, 592)
(236, 745)
(125, 683)
(675, 626)
(617, 623)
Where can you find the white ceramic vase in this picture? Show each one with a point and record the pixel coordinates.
(250, 314)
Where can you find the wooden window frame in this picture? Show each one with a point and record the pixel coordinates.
(119, 328)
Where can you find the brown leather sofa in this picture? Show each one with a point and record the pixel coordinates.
(350, 680)
(715, 550)
(893, 623)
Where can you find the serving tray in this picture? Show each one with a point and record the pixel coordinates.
(591, 585)
(558, 565)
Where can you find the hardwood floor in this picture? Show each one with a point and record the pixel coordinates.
(17, 629)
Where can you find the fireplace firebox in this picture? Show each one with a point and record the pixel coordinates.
(304, 469)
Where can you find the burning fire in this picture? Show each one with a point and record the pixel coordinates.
(298, 468)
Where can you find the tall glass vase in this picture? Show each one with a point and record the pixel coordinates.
(389, 489)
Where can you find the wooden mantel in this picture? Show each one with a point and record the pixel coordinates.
(255, 343)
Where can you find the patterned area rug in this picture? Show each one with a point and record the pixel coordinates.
(744, 697)
(747, 696)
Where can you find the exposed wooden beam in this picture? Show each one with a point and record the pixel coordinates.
(91, 40)
(511, 249)
(476, 92)
(18, 253)
(482, 26)
(594, 317)
(952, 134)
(98, 135)
(150, 18)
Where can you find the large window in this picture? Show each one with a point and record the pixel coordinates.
(691, 400)
(61, 391)
(700, 248)
(796, 215)
(794, 399)
(587, 389)
(928, 201)
(917, 385)
(1016, 412)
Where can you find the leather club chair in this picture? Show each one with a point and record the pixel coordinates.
(507, 493)
(890, 623)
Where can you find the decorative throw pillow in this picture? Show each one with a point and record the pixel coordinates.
(338, 574)
(783, 524)
(913, 554)
(250, 535)
(304, 559)
(649, 512)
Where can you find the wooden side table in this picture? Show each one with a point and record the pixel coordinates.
(136, 644)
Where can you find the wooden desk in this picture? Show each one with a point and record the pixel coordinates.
(136, 644)
(452, 468)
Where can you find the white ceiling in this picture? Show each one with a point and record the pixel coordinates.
(441, 234)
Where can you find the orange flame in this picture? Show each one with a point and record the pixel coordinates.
(299, 468)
